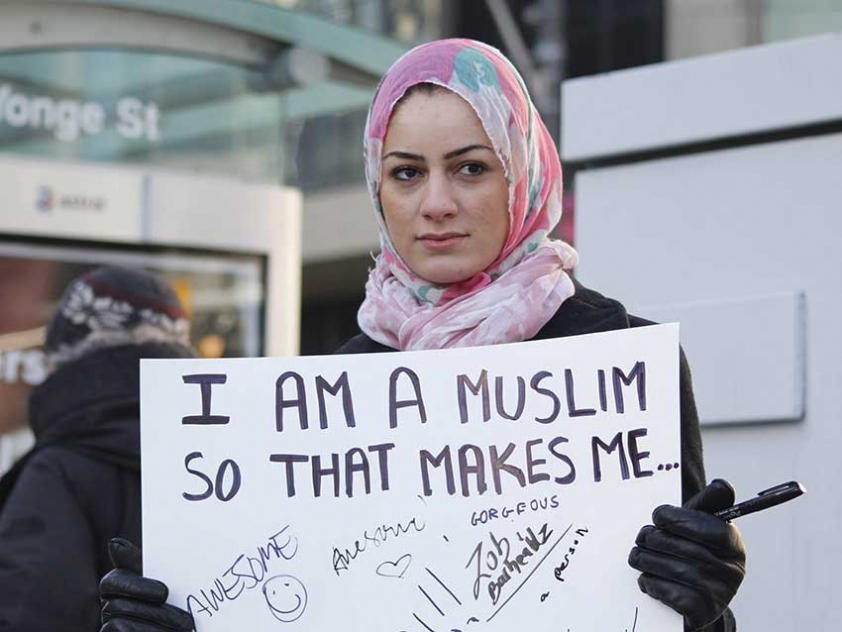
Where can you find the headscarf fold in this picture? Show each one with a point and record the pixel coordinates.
(526, 284)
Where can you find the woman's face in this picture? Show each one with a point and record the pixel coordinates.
(443, 191)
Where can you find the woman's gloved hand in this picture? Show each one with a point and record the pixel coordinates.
(691, 560)
(133, 603)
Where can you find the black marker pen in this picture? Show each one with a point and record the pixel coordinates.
(765, 499)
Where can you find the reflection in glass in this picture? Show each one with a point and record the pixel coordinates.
(223, 294)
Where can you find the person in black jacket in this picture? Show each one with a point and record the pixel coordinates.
(586, 312)
(80, 484)
(466, 183)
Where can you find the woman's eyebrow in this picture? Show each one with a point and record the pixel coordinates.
(465, 150)
(404, 155)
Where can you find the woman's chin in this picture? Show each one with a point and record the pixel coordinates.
(443, 268)
(446, 277)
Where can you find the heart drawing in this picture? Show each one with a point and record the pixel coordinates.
(395, 569)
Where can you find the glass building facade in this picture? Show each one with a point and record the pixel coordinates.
(99, 101)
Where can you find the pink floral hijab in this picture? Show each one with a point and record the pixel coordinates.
(524, 287)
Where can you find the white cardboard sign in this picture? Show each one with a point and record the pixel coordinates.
(486, 489)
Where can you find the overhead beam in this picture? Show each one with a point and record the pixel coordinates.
(32, 25)
(368, 53)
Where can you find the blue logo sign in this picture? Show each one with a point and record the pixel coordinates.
(44, 201)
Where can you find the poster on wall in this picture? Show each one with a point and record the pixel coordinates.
(485, 489)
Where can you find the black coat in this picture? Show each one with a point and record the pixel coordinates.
(77, 488)
(588, 312)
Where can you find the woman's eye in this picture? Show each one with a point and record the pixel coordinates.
(472, 169)
(405, 173)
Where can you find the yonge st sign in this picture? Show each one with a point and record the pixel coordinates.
(68, 120)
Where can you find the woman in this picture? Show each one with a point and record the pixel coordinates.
(466, 184)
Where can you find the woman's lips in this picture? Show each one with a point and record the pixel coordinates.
(441, 241)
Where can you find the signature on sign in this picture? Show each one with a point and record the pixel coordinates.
(500, 563)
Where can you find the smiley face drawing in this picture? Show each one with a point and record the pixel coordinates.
(286, 597)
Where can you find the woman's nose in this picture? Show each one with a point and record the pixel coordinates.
(438, 202)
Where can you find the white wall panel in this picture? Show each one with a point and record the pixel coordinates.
(771, 349)
(758, 89)
(731, 239)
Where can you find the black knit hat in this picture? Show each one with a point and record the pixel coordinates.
(113, 306)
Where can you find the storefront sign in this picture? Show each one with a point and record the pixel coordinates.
(71, 200)
(69, 120)
(494, 488)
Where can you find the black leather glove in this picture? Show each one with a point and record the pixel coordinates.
(133, 603)
(691, 560)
